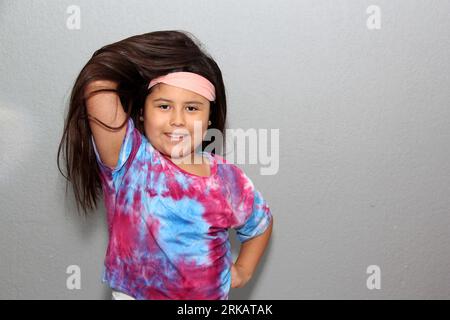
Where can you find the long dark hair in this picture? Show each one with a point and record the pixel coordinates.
(132, 63)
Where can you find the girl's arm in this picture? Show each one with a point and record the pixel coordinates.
(251, 252)
(106, 107)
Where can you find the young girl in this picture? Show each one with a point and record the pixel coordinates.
(169, 207)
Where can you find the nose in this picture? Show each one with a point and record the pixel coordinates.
(177, 118)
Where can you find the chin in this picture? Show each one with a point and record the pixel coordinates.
(178, 155)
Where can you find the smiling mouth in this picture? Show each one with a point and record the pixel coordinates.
(175, 137)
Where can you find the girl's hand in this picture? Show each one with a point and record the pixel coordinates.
(239, 276)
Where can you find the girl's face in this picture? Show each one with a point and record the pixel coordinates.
(173, 110)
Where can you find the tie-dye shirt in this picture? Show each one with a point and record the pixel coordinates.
(168, 228)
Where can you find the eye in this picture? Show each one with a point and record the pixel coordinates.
(163, 105)
(194, 108)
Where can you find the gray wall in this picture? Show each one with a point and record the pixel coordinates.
(364, 120)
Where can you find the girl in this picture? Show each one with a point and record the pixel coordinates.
(168, 206)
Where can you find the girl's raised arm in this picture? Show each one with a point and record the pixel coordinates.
(106, 107)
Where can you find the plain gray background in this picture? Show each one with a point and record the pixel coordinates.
(364, 122)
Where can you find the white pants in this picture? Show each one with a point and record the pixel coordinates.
(116, 295)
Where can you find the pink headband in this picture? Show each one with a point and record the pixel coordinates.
(190, 81)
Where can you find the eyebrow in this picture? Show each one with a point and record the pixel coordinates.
(163, 99)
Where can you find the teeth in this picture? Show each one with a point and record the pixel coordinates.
(176, 137)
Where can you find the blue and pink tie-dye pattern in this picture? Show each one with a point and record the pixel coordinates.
(168, 229)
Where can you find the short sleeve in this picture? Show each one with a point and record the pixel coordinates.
(252, 215)
(128, 150)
